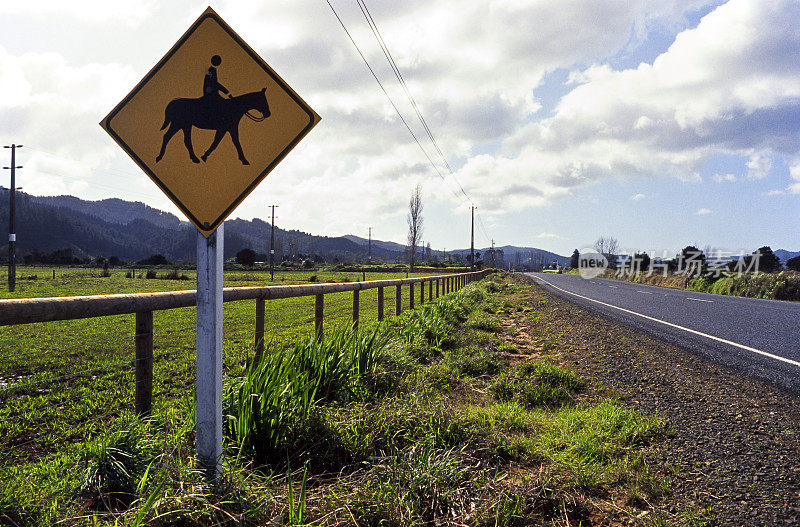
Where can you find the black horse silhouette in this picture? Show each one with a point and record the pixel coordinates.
(222, 115)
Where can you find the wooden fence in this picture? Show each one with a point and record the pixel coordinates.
(30, 310)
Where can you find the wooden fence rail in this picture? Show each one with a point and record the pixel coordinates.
(32, 310)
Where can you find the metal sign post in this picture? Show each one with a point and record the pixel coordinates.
(215, 91)
(209, 351)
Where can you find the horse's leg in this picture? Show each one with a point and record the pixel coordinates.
(235, 137)
(167, 136)
(217, 138)
(187, 140)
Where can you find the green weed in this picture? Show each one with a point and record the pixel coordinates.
(482, 322)
(538, 384)
(476, 362)
(115, 463)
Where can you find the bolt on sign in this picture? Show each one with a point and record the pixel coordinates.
(209, 121)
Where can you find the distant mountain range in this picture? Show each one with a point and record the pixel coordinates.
(785, 255)
(133, 231)
(509, 252)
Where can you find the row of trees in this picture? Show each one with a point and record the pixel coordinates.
(691, 258)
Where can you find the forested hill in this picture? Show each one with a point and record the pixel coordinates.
(133, 231)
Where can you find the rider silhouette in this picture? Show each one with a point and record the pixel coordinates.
(211, 86)
(211, 112)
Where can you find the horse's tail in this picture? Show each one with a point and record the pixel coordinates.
(169, 113)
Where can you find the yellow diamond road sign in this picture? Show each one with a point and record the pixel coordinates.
(209, 121)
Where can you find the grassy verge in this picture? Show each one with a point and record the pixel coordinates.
(783, 285)
(437, 417)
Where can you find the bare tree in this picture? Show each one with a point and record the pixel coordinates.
(415, 222)
(608, 246)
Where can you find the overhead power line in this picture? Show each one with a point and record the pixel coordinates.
(401, 80)
(396, 70)
(386, 93)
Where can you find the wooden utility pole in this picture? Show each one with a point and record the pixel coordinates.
(370, 244)
(12, 236)
(272, 246)
(472, 242)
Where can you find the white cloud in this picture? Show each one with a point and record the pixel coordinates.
(719, 178)
(732, 84)
(775, 192)
(702, 212)
(729, 85)
(548, 235)
(129, 12)
(637, 197)
(794, 173)
(758, 166)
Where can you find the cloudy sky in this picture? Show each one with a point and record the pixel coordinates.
(662, 123)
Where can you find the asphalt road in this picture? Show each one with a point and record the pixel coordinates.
(758, 338)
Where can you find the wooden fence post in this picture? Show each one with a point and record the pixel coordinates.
(430, 290)
(318, 314)
(411, 296)
(380, 304)
(421, 293)
(398, 300)
(355, 309)
(144, 363)
(437, 287)
(259, 333)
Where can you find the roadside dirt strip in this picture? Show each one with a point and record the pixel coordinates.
(732, 456)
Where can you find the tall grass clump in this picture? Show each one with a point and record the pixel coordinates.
(424, 326)
(433, 323)
(273, 396)
(336, 363)
(264, 404)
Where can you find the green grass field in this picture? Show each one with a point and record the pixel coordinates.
(63, 382)
(39, 281)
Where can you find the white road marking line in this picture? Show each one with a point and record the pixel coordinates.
(613, 287)
(670, 324)
(645, 292)
(700, 300)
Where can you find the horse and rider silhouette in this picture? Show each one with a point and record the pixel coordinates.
(212, 112)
